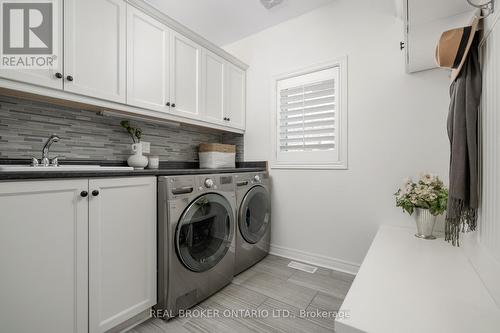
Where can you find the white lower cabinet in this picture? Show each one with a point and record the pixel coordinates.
(122, 250)
(43, 257)
(76, 255)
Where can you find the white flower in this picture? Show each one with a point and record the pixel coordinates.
(407, 181)
(427, 178)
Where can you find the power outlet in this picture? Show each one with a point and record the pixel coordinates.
(146, 147)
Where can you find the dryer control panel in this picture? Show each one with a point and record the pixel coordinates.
(250, 179)
(182, 186)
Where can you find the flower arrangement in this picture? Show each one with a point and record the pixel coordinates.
(134, 132)
(428, 192)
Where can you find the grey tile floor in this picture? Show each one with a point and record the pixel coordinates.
(269, 297)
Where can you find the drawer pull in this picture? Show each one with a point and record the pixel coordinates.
(182, 190)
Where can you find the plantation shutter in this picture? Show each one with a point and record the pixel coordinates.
(307, 113)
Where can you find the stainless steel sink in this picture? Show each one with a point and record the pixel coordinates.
(46, 165)
(18, 168)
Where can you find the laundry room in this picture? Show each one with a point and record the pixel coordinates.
(173, 166)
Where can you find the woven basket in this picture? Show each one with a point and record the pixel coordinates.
(219, 147)
(216, 156)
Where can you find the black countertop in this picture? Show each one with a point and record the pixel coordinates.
(166, 169)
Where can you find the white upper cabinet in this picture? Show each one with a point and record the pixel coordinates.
(43, 77)
(95, 48)
(122, 251)
(213, 86)
(44, 256)
(148, 56)
(123, 55)
(185, 82)
(235, 96)
(425, 21)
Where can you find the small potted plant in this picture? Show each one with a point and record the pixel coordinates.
(137, 160)
(428, 198)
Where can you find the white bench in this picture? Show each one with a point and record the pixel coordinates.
(410, 285)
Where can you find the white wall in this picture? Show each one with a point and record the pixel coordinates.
(489, 221)
(397, 127)
(485, 248)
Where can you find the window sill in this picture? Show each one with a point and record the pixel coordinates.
(309, 166)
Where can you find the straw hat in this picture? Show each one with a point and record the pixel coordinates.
(453, 47)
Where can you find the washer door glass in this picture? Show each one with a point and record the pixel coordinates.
(204, 232)
(254, 214)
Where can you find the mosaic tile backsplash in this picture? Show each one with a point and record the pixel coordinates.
(25, 125)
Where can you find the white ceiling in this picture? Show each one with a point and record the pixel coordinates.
(226, 21)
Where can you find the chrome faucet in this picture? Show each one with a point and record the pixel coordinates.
(45, 151)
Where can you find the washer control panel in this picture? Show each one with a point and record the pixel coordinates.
(214, 182)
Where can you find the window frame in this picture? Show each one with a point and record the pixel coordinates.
(314, 160)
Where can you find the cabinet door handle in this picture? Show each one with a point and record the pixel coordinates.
(95, 193)
(168, 104)
(173, 105)
(84, 194)
(69, 78)
(59, 75)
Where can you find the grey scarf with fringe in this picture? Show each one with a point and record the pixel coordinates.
(463, 198)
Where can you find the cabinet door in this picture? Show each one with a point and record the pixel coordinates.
(122, 255)
(44, 256)
(95, 48)
(213, 87)
(235, 97)
(43, 77)
(185, 76)
(147, 61)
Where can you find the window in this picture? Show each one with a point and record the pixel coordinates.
(310, 118)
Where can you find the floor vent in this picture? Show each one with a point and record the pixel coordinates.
(302, 267)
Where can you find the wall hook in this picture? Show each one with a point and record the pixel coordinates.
(488, 6)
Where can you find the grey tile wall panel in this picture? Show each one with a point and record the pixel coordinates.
(24, 126)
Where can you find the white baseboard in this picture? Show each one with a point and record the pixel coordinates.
(315, 259)
(131, 323)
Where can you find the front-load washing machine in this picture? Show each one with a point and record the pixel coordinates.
(253, 233)
(196, 227)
